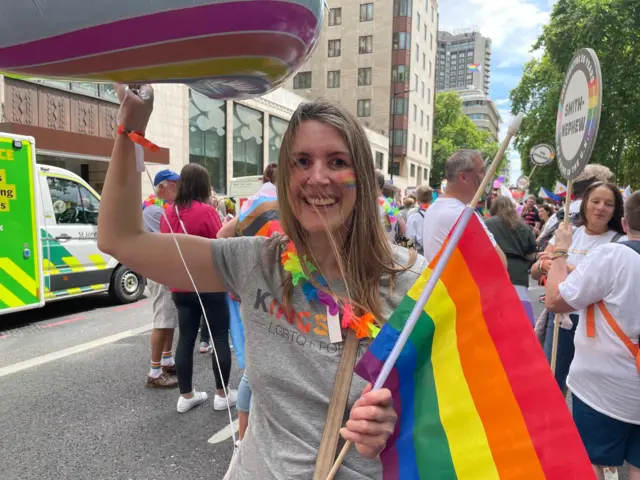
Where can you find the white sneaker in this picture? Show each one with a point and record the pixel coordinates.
(233, 461)
(204, 347)
(186, 404)
(220, 403)
(610, 473)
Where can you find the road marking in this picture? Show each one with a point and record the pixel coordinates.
(83, 347)
(223, 434)
(131, 305)
(63, 322)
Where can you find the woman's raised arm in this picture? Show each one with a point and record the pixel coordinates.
(120, 230)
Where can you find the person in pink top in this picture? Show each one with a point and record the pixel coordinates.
(191, 213)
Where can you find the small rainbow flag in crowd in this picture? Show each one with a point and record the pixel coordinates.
(473, 391)
(474, 67)
(260, 215)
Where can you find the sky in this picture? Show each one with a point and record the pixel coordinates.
(513, 26)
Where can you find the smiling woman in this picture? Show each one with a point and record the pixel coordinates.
(334, 261)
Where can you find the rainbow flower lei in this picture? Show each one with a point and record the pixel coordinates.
(364, 325)
(154, 200)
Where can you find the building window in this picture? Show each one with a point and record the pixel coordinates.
(425, 32)
(399, 138)
(418, 22)
(379, 160)
(413, 143)
(335, 16)
(421, 118)
(429, 96)
(432, 14)
(399, 74)
(426, 149)
(420, 146)
(364, 76)
(208, 137)
(413, 170)
(334, 48)
(247, 141)
(428, 122)
(333, 79)
(401, 40)
(424, 61)
(302, 80)
(432, 39)
(401, 106)
(366, 44)
(415, 113)
(366, 12)
(425, 173)
(101, 90)
(417, 52)
(430, 68)
(415, 82)
(277, 127)
(364, 108)
(422, 87)
(402, 8)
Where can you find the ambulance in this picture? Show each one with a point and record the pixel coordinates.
(48, 235)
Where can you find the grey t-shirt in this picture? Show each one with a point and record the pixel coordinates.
(151, 217)
(290, 363)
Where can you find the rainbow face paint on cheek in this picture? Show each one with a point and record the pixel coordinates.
(348, 179)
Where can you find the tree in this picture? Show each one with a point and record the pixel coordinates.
(612, 29)
(453, 131)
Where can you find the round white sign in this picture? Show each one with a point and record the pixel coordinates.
(579, 113)
(542, 155)
(523, 182)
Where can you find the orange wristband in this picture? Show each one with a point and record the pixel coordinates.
(137, 137)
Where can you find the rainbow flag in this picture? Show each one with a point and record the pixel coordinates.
(260, 215)
(473, 391)
(474, 67)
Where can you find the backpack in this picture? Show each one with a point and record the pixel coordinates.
(591, 323)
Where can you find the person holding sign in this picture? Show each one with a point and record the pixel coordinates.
(605, 374)
(601, 211)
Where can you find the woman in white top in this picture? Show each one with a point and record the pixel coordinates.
(291, 358)
(605, 375)
(601, 215)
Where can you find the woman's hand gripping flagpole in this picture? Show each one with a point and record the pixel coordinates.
(450, 246)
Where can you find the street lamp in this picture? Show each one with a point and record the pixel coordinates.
(393, 131)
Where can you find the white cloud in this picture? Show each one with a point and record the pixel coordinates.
(502, 101)
(513, 25)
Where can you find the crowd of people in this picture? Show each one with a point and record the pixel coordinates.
(340, 242)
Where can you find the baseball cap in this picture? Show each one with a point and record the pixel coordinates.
(163, 175)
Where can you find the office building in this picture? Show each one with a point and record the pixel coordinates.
(481, 110)
(377, 58)
(74, 125)
(463, 61)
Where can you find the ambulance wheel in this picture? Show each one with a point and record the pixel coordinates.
(126, 285)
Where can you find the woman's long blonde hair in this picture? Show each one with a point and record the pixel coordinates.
(365, 254)
(504, 207)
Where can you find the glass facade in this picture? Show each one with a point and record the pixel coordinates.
(207, 137)
(100, 90)
(277, 127)
(248, 158)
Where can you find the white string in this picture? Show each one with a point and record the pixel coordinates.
(204, 313)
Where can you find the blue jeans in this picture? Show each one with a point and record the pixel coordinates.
(243, 402)
(566, 348)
